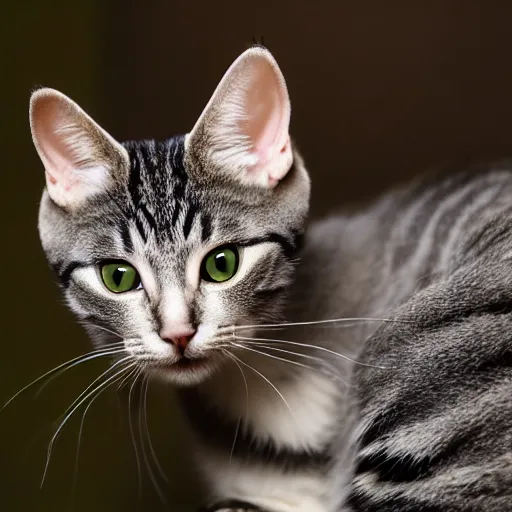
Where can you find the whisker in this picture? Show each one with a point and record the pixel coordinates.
(243, 377)
(270, 347)
(100, 386)
(153, 452)
(326, 371)
(142, 414)
(323, 349)
(266, 380)
(246, 404)
(44, 385)
(77, 454)
(235, 438)
(96, 326)
(90, 386)
(234, 328)
(307, 367)
(127, 378)
(64, 366)
(132, 433)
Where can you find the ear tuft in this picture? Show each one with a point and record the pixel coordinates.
(245, 126)
(78, 155)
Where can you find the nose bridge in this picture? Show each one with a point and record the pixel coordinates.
(174, 311)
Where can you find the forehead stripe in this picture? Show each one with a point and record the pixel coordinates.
(189, 218)
(148, 216)
(135, 179)
(141, 229)
(175, 213)
(206, 226)
(124, 232)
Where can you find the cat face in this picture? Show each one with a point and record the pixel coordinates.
(168, 245)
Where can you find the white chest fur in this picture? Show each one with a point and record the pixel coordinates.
(295, 408)
(299, 410)
(266, 487)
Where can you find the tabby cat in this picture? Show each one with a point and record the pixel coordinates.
(364, 364)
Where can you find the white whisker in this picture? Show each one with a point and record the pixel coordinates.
(246, 404)
(234, 328)
(64, 366)
(58, 374)
(307, 367)
(270, 347)
(79, 439)
(132, 433)
(142, 412)
(326, 371)
(100, 386)
(266, 380)
(96, 326)
(126, 378)
(153, 452)
(90, 386)
(317, 347)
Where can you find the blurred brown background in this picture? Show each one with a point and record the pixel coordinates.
(380, 90)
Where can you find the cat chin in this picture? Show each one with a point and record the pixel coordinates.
(184, 377)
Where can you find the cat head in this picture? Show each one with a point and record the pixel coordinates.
(163, 247)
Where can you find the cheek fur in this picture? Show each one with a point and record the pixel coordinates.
(127, 315)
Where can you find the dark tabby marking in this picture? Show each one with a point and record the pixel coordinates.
(157, 176)
(417, 287)
(438, 432)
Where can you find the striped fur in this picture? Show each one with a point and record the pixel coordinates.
(285, 420)
(435, 430)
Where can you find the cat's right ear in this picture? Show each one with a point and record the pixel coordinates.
(80, 158)
(243, 131)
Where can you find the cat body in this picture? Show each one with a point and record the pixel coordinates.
(294, 352)
(412, 239)
(296, 456)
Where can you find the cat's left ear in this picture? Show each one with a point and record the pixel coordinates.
(80, 158)
(244, 130)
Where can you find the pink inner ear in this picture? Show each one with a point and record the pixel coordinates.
(268, 115)
(49, 118)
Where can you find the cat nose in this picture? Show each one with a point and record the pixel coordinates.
(180, 338)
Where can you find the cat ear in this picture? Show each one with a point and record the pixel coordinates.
(80, 158)
(244, 128)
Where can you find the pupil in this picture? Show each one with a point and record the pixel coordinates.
(221, 263)
(118, 275)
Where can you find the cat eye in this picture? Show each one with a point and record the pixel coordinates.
(120, 277)
(220, 264)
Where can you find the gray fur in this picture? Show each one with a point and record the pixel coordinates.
(435, 430)
(423, 423)
(95, 232)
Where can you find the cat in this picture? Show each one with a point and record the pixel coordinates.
(360, 364)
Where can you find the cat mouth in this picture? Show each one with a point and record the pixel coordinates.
(183, 364)
(186, 371)
(187, 363)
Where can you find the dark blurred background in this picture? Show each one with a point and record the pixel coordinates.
(380, 91)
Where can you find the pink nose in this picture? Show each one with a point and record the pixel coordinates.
(180, 339)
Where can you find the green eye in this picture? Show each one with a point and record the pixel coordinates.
(119, 277)
(220, 265)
